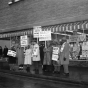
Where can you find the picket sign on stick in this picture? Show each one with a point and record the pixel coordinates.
(45, 44)
(24, 48)
(83, 30)
(10, 42)
(37, 40)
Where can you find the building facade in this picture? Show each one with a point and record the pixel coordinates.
(54, 14)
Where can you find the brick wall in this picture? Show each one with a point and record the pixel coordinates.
(29, 13)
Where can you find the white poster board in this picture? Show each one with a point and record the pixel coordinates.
(56, 50)
(36, 30)
(55, 57)
(11, 53)
(24, 37)
(55, 53)
(24, 41)
(35, 51)
(45, 35)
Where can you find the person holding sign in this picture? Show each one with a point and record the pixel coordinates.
(12, 55)
(55, 57)
(47, 56)
(36, 59)
(28, 55)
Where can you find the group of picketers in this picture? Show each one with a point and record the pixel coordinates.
(41, 57)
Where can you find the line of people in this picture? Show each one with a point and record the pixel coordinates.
(40, 58)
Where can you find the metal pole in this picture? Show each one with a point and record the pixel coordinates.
(45, 44)
(10, 42)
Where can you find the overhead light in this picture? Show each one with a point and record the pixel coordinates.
(16, 0)
(61, 34)
(9, 3)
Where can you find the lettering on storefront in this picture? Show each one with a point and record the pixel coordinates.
(74, 38)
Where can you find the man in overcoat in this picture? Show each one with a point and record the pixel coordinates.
(64, 56)
(36, 66)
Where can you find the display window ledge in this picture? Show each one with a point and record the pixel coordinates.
(78, 60)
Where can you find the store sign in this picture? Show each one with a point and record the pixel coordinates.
(36, 30)
(82, 37)
(45, 35)
(84, 50)
(24, 41)
(11, 53)
(74, 38)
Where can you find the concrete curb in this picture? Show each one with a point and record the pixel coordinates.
(51, 78)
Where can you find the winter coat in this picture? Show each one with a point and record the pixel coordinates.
(0, 51)
(20, 56)
(28, 54)
(5, 51)
(47, 56)
(64, 55)
(36, 53)
(41, 53)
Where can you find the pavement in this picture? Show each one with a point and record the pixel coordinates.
(15, 81)
(78, 75)
(47, 76)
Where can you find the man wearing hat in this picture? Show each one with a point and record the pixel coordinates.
(56, 57)
(64, 56)
(36, 58)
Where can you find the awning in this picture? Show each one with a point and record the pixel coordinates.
(65, 28)
(17, 33)
(68, 28)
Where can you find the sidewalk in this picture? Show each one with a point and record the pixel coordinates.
(45, 76)
(78, 75)
(74, 79)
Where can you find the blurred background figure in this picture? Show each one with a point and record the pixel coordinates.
(0, 52)
(5, 51)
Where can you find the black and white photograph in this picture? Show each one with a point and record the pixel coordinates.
(43, 43)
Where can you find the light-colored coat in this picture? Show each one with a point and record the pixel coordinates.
(28, 55)
(65, 54)
(36, 57)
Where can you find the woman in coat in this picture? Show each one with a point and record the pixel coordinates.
(47, 56)
(20, 55)
(28, 55)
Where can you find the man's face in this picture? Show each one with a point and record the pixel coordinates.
(33, 43)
